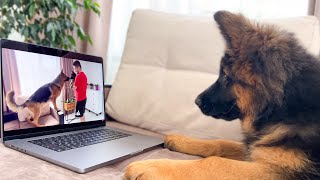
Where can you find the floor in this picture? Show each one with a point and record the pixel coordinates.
(11, 125)
(89, 116)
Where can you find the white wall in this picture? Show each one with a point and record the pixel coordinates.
(93, 71)
(94, 75)
(36, 70)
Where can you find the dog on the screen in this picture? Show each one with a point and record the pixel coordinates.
(46, 93)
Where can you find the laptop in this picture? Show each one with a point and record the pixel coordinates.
(43, 112)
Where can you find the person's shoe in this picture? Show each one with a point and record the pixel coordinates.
(78, 115)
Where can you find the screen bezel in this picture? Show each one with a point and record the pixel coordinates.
(31, 132)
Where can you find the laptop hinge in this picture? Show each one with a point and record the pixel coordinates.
(48, 132)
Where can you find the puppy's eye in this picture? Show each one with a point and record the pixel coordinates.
(227, 56)
(226, 80)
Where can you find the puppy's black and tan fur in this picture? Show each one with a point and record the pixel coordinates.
(272, 84)
(45, 94)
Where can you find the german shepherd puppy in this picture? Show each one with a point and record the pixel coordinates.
(45, 94)
(272, 84)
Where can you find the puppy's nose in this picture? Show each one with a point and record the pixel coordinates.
(198, 101)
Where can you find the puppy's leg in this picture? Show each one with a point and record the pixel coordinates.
(205, 148)
(211, 168)
(265, 163)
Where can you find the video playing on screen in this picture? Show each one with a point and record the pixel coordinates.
(43, 90)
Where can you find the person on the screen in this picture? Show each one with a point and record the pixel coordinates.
(80, 88)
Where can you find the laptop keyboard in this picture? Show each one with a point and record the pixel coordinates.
(72, 141)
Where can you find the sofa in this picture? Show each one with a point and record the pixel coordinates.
(167, 61)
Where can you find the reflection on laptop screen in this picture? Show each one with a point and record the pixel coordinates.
(43, 90)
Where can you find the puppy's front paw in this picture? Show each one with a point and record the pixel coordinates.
(149, 169)
(162, 169)
(176, 142)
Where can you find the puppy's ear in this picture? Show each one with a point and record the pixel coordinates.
(233, 26)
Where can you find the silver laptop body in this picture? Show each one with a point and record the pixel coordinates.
(22, 135)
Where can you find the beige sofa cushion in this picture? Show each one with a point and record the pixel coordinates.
(167, 61)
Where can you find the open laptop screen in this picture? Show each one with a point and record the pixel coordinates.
(41, 90)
